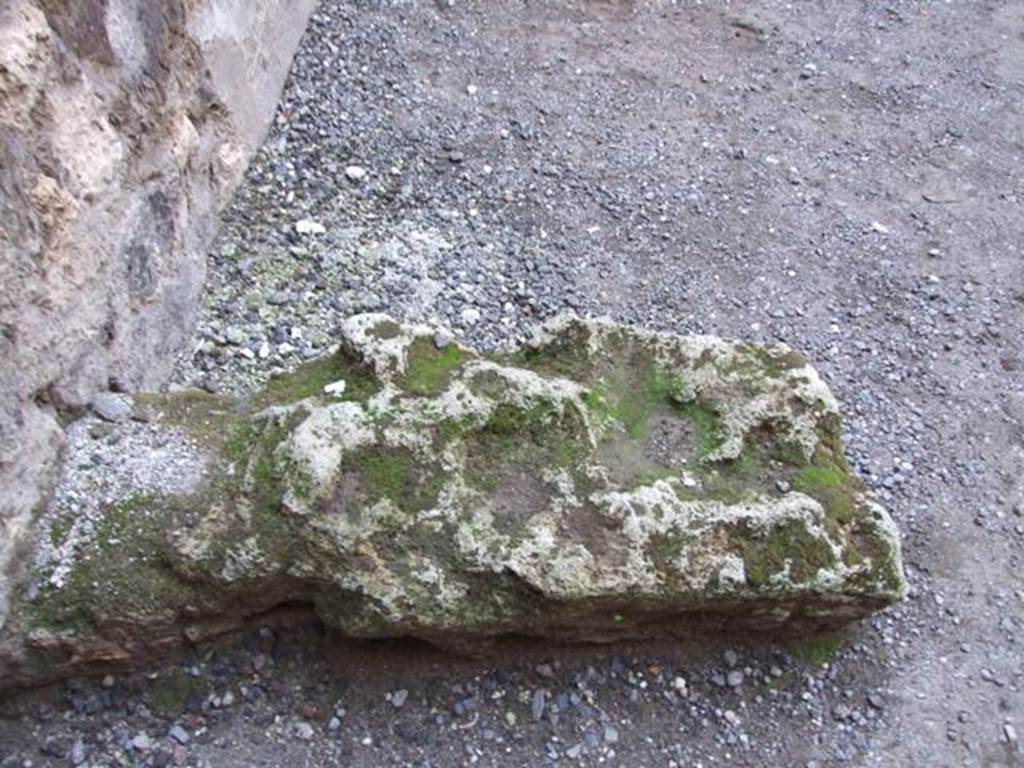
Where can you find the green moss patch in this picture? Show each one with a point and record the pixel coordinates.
(631, 398)
(787, 452)
(766, 553)
(451, 429)
(762, 362)
(566, 356)
(815, 650)
(707, 425)
(828, 479)
(169, 695)
(120, 519)
(253, 495)
(818, 478)
(864, 542)
(428, 370)
(309, 380)
(59, 530)
(529, 438)
(395, 474)
(120, 577)
(252, 445)
(775, 362)
(201, 415)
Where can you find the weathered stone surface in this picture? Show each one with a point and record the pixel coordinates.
(124, 127)
(601, 483)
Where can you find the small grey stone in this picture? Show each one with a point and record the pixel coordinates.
(370, 301)
(179, 734)
(442, 339)
(234, 336)
(545, 670)
(875, 701)
(111, 407)
(78, 754)
(730, 657)
(398, 698)
(303, 731)
(574, 751)
(611, 735)
(53, 747)
(142, 742)
(735, 678)
(783, 486)
(537, 704)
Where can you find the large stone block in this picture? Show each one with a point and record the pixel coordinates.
(601, 483)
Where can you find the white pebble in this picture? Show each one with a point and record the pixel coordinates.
(309, 227)
(335, 387)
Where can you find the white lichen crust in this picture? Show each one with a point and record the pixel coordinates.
(602, 482)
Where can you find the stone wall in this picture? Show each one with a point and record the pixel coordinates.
(125, 126)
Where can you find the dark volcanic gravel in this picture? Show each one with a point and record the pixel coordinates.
(846, 177)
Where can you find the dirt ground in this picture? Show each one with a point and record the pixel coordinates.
(847, 177)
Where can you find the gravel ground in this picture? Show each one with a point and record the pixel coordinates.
(842, 176)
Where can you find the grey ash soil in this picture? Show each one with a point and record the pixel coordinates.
(846, 177)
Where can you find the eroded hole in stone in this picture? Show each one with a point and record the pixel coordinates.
(598, 533)
(666, 448)
(670, 441)
(519, 494)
